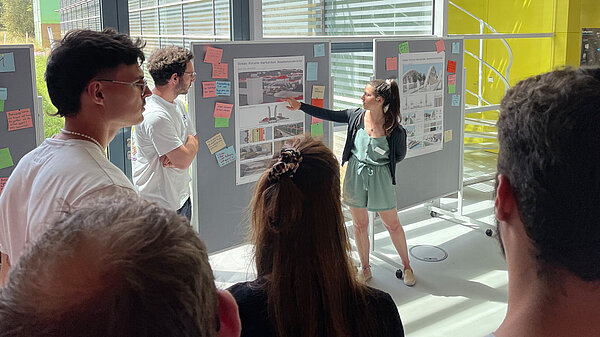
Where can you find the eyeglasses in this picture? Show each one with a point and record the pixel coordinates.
(143, 84)
(191, 73)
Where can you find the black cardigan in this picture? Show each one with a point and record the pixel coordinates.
(353, 117)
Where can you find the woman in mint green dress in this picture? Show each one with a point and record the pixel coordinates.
(375, 143)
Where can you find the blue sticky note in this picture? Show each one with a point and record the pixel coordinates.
(225, 156)
(455, 100)
(223, 88)
(7, 62)
(311, 71)
(319, 50)
(3, 94)
(455, 47)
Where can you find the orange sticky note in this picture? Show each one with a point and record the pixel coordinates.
(219, 70)
(451, 66)
(223, 110)
(209, 89)
(2, 183)
(391, 63)
(19, 119)
(440, 46)
(213, 55)
(317, 102)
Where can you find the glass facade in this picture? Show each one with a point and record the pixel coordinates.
(346, 17)
(164, 23)
(350, 70)
(79, 14)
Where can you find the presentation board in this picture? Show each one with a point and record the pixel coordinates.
(19, 119)
(241, 121)
(429, 72)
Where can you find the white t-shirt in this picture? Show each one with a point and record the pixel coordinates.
(55, 176)
(166, 127)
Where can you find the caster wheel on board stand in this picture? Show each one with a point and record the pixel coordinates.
(433, 214)
(489, 232)
(399, 274)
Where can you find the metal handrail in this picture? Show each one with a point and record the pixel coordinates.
(505, 78)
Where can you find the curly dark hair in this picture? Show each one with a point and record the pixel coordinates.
(165, 62)
(80, 56)
(549, 132)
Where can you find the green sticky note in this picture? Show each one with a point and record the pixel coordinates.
(316, 130)
(221, 122)
(451, 88)
(5, 158)
(403, 48)
(1, 106)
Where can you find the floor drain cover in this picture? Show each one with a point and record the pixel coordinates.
(428, 253)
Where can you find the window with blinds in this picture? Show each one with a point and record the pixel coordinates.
(346, 17)
(79, 14)
(164, 23)
(350, 70)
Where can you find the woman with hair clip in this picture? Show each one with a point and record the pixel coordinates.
(306, 285)
(375, 143)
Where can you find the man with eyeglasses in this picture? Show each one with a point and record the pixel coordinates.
(95, 81)
(164, 145)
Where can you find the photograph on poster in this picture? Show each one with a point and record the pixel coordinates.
(409, 118)
(422, 78)
(259, 87)
(267, 115)
(433, 114)
(410, 130)
(256, 135)
(256, 151)
(433, 139)
(422, 99)
(253, 168)
(288, 130)
(261, 117)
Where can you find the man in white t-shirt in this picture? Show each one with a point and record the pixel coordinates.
(95, 81)
(165, 143)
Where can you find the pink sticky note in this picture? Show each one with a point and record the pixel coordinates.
(209, 89)
(451, 66)
(219, 70)
(2, 183)
(213, 55)
(391, 63)
(315, 120)
(452, 79)
(223, 110)
(440, 46)
(19, 119)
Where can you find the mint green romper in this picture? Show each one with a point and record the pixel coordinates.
(368, 182)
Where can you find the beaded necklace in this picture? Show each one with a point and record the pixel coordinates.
(82, 135)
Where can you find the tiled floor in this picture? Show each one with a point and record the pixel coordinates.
(463, 295)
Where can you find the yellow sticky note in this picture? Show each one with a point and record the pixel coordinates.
(447, 136)
(318, 91)
(215, 143)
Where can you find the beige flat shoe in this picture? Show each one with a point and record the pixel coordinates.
(409, 277)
